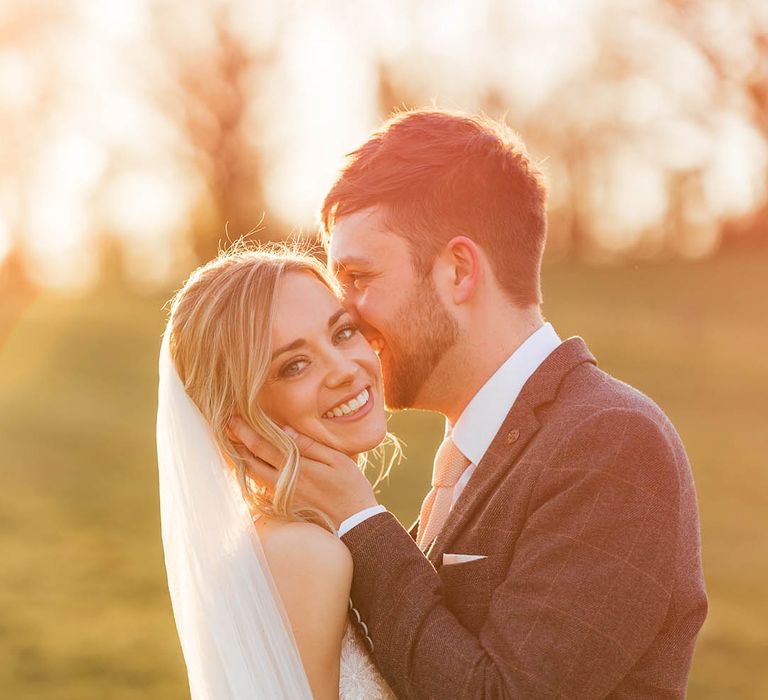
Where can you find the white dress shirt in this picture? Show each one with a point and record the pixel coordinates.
(482, 418)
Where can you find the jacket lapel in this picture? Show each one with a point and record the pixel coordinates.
(413, 531)
(519, 427)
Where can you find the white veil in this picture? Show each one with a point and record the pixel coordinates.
(234, 633)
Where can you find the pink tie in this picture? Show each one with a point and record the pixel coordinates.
(448, 468)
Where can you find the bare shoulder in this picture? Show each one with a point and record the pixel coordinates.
(312, 569)
(296, 547)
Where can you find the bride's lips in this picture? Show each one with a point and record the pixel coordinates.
(357, 415)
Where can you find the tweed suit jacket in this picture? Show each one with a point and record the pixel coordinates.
(591, 584)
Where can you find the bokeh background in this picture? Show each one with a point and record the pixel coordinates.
(137, 137)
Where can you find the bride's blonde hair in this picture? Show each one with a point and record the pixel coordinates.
(221, 345)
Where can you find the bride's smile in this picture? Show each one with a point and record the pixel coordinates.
(351, 409)
(324, 379)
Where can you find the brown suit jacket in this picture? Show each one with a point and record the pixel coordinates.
(584, 507)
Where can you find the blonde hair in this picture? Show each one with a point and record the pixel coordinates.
(221, 345)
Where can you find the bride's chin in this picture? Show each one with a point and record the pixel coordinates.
(354, 448)
(350, 438)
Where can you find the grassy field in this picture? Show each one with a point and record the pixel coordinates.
(84, 610)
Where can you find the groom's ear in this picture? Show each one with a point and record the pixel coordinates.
(463, 260)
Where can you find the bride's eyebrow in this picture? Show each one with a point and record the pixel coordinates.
(300, 341)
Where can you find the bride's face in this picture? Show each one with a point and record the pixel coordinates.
(324, 380)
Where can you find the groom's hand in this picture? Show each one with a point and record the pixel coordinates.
(328, 480)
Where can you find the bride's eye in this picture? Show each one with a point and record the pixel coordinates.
(293, 368)
(345, 332)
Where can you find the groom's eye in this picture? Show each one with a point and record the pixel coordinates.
(356, 279)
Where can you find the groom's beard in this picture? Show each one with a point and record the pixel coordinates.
(427, 332)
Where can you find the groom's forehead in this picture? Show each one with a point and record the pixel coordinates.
(357, 239)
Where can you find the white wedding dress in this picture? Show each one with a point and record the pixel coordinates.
(359, 678)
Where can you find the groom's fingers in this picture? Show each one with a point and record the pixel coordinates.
(317, 451)
(261, 472)
(259, 448)
(267, 476)
(265, 460)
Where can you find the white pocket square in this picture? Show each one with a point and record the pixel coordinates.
(461, 558)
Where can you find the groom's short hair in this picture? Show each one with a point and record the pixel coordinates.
(439, 174)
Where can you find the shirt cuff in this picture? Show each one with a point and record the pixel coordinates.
(357, 518)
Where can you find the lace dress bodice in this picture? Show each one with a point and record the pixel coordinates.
(359, 678)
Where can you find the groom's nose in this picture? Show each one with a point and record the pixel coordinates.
(368, 331)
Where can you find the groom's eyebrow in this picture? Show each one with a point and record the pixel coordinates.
(340, 266)
(300, 341)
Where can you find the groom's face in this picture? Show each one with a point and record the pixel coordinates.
(398, 310)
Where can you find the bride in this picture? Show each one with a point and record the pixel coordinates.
(259, 584)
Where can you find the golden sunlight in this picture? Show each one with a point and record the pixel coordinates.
(146, 120)
(141, 138)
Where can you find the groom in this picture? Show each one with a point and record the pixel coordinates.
(557, 553)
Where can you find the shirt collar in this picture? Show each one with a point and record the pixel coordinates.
(481, 419)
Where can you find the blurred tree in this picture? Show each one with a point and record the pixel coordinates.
(151, 124)
(736, 48)
(27, 107)
(208, 87)
(651, 119)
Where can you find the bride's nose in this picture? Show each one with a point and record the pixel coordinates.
(342, 369)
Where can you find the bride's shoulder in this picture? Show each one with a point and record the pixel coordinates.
(292, 546)
(312, 570)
